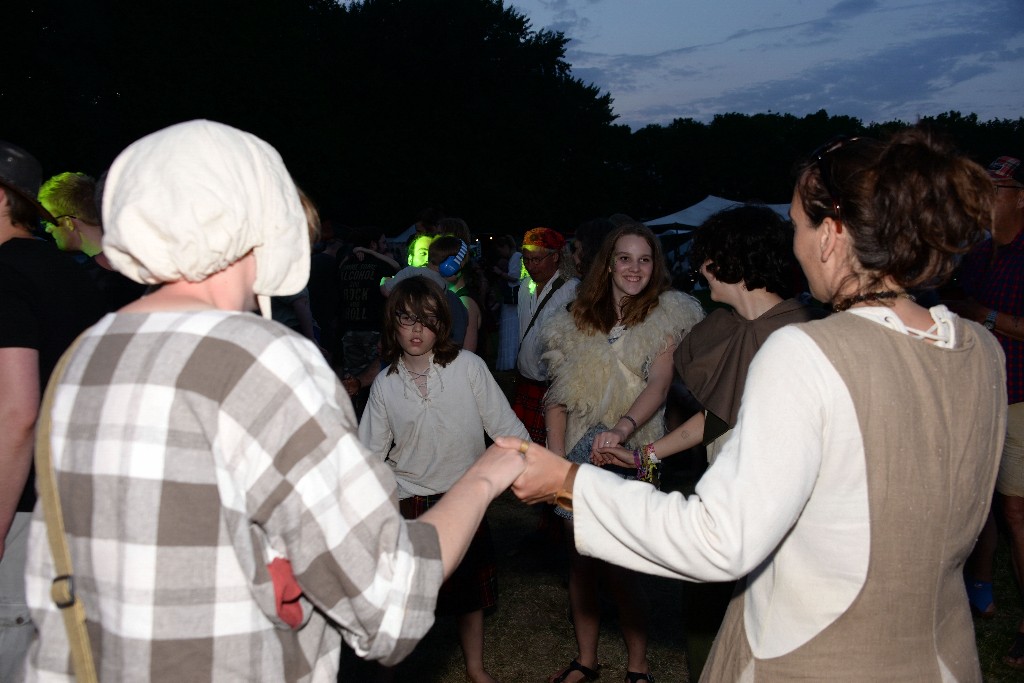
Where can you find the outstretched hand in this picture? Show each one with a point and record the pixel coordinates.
(543, 475)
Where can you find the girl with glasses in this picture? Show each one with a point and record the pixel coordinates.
(426, 418)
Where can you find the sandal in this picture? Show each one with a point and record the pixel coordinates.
(1015, 657)
(634, 677)
(588, 673)
(979, 594)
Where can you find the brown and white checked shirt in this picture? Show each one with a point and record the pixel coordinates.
(192, 449)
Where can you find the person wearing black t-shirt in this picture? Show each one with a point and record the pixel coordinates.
(360, 307)
(46, 300)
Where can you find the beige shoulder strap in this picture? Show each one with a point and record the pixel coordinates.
(63, 589)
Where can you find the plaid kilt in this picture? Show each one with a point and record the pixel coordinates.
(528, 405)
(474, 583)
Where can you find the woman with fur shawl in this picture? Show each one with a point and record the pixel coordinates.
(610, 362)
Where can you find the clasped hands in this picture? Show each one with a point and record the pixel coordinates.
(607, 449)
(534, 473)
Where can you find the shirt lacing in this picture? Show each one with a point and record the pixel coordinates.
(942, 332)
(409, 379)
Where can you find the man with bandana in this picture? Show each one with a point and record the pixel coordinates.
(549, 288)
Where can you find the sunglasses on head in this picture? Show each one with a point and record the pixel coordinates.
(820, 157)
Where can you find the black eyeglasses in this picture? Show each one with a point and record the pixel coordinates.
(408, 320)
(824, 171)
(535, 260)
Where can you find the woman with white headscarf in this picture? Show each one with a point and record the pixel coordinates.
(224, 523)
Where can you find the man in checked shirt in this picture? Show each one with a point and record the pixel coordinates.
(223, 521)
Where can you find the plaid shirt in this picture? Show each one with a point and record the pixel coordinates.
(997, 282)
(191, 450)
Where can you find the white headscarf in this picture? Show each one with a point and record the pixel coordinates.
(189, 200)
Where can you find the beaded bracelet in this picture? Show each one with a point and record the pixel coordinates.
(646, 462)
(631, 421)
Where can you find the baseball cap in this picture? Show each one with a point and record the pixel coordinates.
(1006, 168)
(21, 172)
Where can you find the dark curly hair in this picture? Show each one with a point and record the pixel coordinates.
(420, 297)
(750, 244)
(589, 237)
(910, 205)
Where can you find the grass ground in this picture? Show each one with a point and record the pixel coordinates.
(529, 636)
(995, 635)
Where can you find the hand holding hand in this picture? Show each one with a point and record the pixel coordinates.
(543, 475)
(613, 455)
(500, 464)
(604, 440)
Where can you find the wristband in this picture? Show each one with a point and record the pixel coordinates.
(563, 498)
(990, 320)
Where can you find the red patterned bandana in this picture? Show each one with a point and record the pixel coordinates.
(544, 237)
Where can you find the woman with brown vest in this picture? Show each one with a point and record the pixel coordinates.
(858, 473)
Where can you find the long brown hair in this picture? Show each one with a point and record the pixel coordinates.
(420, 297)
(594, 308)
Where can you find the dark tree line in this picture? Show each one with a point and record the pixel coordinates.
(753, 158)
(383, 107)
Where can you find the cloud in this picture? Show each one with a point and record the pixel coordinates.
(902, 81)
(866, 58)
(566, 18)
(904, 62)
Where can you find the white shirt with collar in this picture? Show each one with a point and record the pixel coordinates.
(530, 350)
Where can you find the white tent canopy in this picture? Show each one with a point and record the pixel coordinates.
(693, 216)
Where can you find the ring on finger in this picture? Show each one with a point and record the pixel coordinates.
(524, 445)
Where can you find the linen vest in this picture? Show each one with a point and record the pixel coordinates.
(933, 422)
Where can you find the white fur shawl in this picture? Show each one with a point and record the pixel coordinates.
(597, 381)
